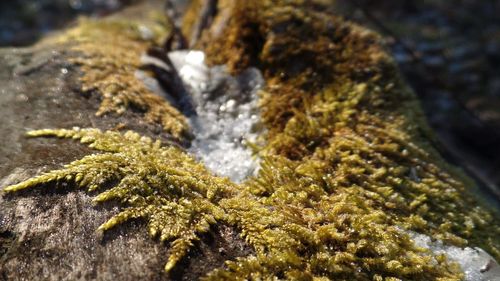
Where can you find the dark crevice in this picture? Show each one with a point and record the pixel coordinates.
(206, 16)
(170, 81)
(6, 239)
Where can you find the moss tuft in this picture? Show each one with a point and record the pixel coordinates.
(301, 219)
(340, 119)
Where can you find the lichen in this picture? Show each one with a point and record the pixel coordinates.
(348, 165)
(109, 52)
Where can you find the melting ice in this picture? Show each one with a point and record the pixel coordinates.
(225, 114)
(475, 262)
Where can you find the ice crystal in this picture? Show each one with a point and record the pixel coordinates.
(475, 262)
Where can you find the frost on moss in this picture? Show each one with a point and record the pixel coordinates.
(348, 167)
(109, 54)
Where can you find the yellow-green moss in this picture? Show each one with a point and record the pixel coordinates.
(348, 166)
(109, 54)
(163, 185)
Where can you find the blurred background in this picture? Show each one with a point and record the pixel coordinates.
(448, 50)
(22, 22)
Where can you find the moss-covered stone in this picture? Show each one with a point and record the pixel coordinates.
(348, 165)
(165, 186)
(109, 54)
(338, 112)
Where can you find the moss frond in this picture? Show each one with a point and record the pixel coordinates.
(304, 226)
(328, 216)
(164, 186)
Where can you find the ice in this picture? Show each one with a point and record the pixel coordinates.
(475, 262)
(226, 114)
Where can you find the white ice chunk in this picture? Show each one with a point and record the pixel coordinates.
(226, 114)
(191, 68)
(475, 262)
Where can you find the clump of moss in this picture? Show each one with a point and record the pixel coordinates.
(302, 222)
(163, 185)
(336, 108)
(348, 164)
(109, 53)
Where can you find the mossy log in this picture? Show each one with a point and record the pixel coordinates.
(348, 170)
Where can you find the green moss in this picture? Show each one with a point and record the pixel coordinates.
(348, 166)
(337, 110)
